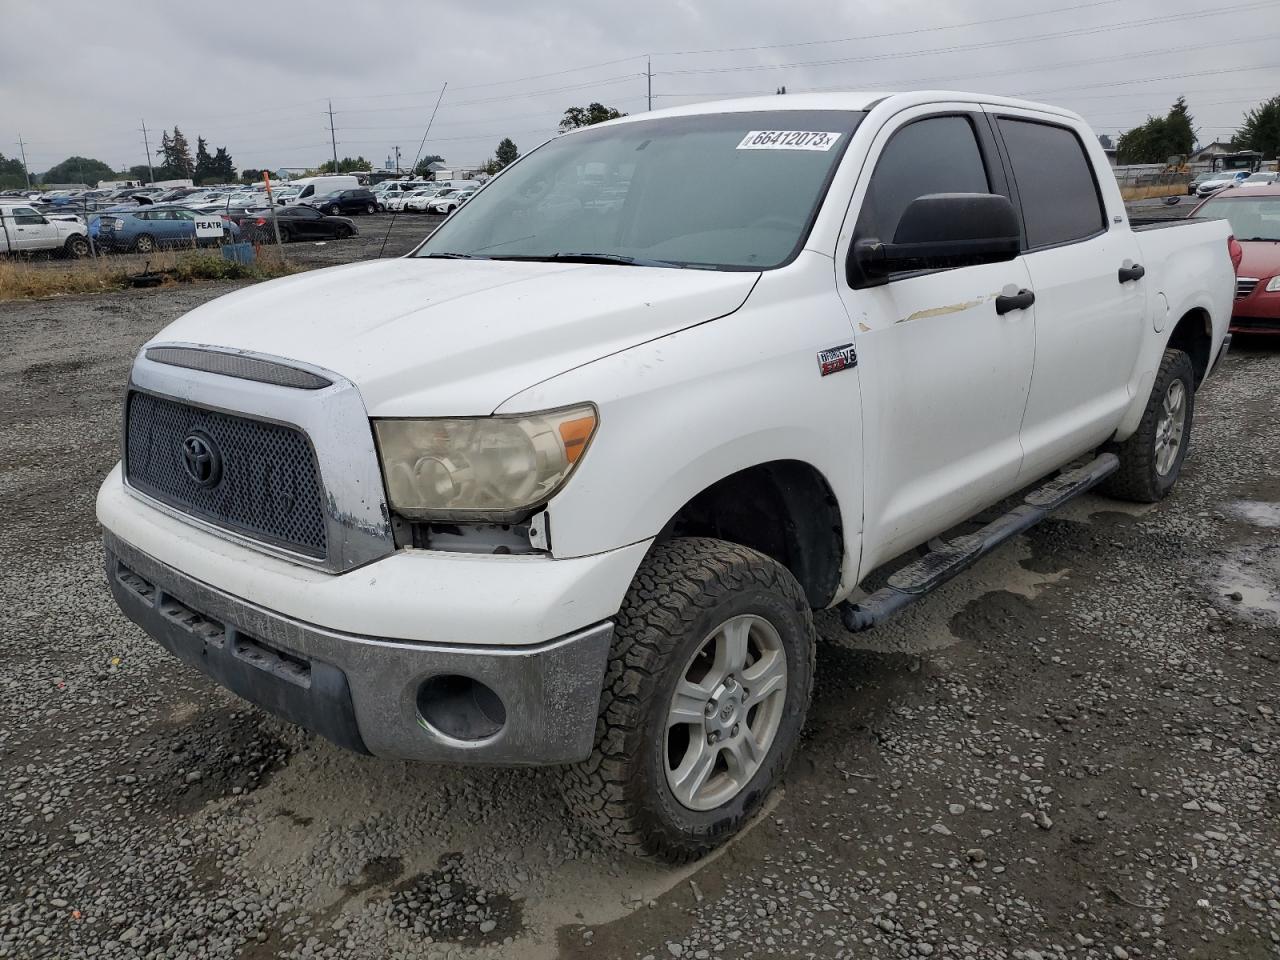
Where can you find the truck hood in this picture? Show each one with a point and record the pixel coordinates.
(427, 337)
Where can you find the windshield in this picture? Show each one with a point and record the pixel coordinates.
(724, 191)
(1251, 218)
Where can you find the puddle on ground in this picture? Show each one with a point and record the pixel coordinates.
(1260, 513)
(1251, 589)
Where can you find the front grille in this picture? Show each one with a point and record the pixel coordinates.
(1244, 286)
(268, 487)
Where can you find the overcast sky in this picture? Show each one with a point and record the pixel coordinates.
(80, 77)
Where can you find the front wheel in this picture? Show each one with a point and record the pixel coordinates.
(706, 691)
(76, 247)
(1151, 459)
(334, 210)
(370, 209)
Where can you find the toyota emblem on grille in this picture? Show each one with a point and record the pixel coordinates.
(201, 459)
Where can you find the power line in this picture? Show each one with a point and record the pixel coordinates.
(982, 45)
(891, 34)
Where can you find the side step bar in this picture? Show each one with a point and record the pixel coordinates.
(950, 557)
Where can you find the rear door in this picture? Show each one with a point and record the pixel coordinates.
(944, 376)
(1089, 321)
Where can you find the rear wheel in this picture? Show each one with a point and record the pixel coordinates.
(76, 247)
(1151, 459)
(144, 243)
(706, 691)
(370, 208)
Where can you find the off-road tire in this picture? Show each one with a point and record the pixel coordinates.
(1137, 479)
(76, 247)
(683, 591)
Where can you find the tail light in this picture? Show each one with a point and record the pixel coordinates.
(260, 222)
(1235, 251)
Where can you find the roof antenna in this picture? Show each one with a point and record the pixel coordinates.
(414, 169)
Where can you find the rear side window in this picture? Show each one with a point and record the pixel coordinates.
(934, 155)
(1060, 199)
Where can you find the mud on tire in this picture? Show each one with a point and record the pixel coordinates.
(682, 593)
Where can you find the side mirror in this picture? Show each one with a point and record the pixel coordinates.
(937, 232)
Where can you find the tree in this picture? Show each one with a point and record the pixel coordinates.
(346, 165)
(12, 173)
(204, 163)
(223, 169)
(1261, 129)
(423, 169)
(593, 113)
(507, 153)
(1159, 138)
(175, 156)
(79, 170)
(140, 172)
(251, 176)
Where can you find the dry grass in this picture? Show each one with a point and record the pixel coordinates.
(20, 280)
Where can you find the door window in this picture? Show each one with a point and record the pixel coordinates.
(1060, 198)
(933, 155)
(26, 215)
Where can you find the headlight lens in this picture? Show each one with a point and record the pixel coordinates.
(1273, 285)
(483, 468)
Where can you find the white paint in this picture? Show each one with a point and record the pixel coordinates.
(699, 374)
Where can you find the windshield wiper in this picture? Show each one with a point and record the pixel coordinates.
(454, 256)
(609, 258)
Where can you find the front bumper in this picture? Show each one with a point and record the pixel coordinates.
(366, 693)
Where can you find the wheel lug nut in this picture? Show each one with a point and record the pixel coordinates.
(711, 708)
(735, 729)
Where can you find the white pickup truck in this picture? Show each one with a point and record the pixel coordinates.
(564, 485)
(25, 230)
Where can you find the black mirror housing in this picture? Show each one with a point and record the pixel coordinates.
(940, 231)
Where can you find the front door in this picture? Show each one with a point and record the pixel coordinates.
(32, 231)
(944, 376)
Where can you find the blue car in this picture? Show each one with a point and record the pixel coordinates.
(148, 228)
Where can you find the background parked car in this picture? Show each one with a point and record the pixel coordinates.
(1254, 215)
(418, 200)
(1223, 179)
(1259, 179)
(448, 201)
(150, 228)
(298, 222)
(360, 200)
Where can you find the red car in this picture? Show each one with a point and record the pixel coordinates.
(1254, 215)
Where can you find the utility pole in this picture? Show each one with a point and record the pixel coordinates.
(333, 138)
(147, 143)
(23, 149)
(397, 158)
(648, 72)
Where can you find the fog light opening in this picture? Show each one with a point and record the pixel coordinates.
(460, 708)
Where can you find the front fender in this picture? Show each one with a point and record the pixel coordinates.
(680, 413)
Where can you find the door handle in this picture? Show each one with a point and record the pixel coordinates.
(1135, 272)
(1018, 301)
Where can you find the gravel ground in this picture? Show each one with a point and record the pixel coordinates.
(1071, 751)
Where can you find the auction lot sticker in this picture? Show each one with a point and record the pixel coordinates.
(208, 227)
(788, 140)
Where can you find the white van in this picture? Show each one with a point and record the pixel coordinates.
(309, 187)
(443, 185)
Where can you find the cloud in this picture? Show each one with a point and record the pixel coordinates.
(258, 79)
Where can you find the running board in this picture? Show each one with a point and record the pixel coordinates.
(948, 558)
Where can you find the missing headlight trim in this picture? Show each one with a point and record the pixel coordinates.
(484, 538)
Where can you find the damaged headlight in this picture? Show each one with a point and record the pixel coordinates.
(481, 468)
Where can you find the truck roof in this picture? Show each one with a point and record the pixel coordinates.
(850, 100)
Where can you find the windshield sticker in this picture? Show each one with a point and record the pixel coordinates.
(788, 140)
